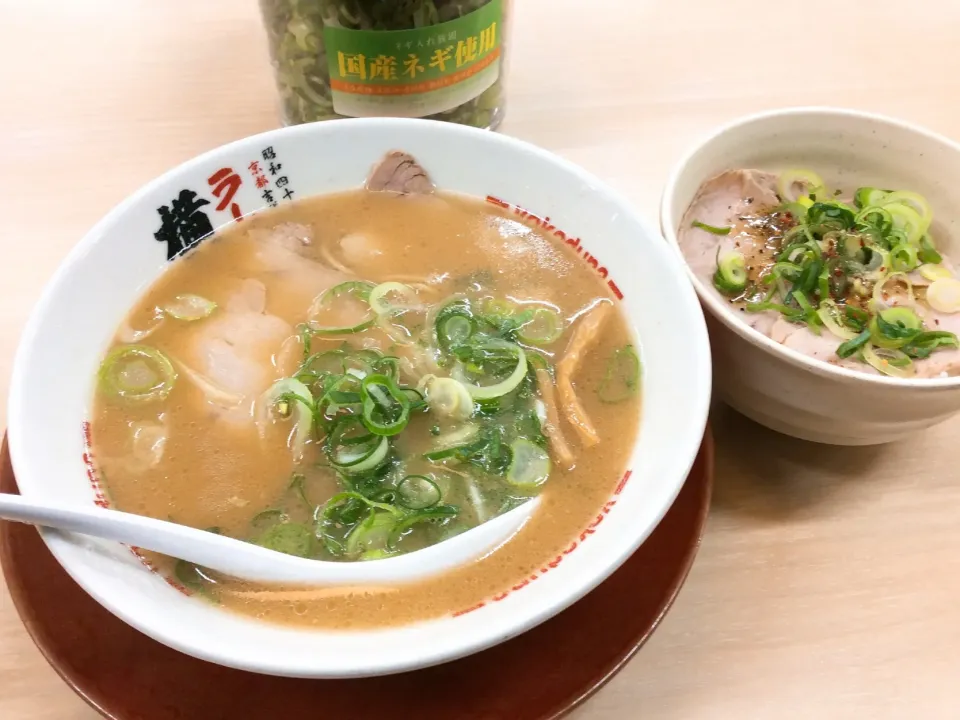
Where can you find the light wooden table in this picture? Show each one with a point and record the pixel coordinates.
(829, 579)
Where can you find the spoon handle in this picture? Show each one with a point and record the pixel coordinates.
(200, 547)
(253, 562)
(137, 530)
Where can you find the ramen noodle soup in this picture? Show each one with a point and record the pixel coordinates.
(364, 374)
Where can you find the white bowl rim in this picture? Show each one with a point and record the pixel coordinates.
(723, 313)
(425, 657)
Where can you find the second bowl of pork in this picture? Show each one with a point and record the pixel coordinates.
(783, 374)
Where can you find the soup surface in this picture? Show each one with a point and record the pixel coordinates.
(363, 374)
(849, 277)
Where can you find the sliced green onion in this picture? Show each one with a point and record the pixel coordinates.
(928, 252)
(819, 193)
(352, 448)
(446, 446)
(366, 515)
(137, 374)
(823, 217)
(788, 181)
(390, 297)
(341, 389)
(889, 361)
(849, 347)
(449, 397)
(296, 484)
(621, 380)
(823, 281)
(417, 400)
(342, 497)
(912, 200)
(438, 512)
(731, 275)
(489, 392)
(529, 465)
(267, 517)
(289, 538)
(789, 270)
(356, 289)
(711, 228)
(289, 396)
(943, 295)
(544, 327)
(370, 532)
(808, 278)
(795, 210)
(932, 271)
(908, 221)
(926, 342)
(809, 314)
(389, 366)
(894, 327)
(417, 492)
(323, 363)
(189, 307)
(190, 575)
(374, 459)
(855, 317)
(904, 257)
(456, 330)
(878, 289)
(454, 324)
(851, 244)
(867, 196)
(875, 217)
(905, 317)
(879, 265)
(386, 409)
(499, 307)
(830, 315)
(790, 313)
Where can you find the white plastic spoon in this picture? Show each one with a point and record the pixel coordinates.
(252, 562)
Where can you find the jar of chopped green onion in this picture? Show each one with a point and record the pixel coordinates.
(436, 59)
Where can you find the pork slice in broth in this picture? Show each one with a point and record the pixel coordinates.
(721, 202)
(399, 172)
(229, 356)
(286, 255)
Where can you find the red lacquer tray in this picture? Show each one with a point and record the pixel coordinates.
(543, 673)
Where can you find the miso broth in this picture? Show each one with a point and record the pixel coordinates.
(363, 374)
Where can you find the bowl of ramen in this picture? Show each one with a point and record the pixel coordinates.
(822, 244)
(381, 345)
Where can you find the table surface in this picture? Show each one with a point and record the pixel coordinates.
(828, 581)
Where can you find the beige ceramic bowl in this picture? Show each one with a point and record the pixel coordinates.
(775, 385)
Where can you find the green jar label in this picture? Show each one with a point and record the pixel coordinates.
(414, 73)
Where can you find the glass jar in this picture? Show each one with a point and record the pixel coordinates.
(436, 59)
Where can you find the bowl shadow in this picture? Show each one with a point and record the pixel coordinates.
(770, 476)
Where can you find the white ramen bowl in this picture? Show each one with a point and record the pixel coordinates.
(110, 268)
(777, 386)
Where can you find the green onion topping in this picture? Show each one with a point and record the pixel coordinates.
(137, 374)
(731, 275)
(824, 263)
(712, 228)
